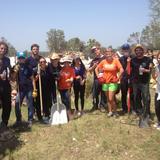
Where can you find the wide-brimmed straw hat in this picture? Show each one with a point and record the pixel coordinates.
(138, 46)
(66, 59)
(54, 56)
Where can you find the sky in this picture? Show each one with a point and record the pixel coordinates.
(24, 22)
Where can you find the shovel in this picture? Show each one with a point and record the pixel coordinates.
(58, 112)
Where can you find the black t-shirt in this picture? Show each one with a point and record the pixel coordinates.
(96, 60)
(135, 65)
(123, 61)
(45, 81)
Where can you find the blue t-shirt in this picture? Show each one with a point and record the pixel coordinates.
(79, 72)
(24, 78)
(33, 63)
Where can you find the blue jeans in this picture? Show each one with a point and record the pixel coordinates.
(29, 100)
(66, 99)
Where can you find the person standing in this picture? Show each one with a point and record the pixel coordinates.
(112, 71)
(32, 62)
(125, 80)
(54, 70)
(156, 76)
(5, 87)
(45, 94)
(65, 82)
(24, 88)
(140, 77)
(97, 87)
(79, 82)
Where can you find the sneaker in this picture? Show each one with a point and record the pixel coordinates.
(123, 112)
(155, 125)
(93, 109)
(45, 120)
(29, 123)
(115, 114)
(82, 113)
(158, 127)
(110, 114)
(79, 113)
(102, 109)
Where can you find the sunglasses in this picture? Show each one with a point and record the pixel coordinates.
(42, 62)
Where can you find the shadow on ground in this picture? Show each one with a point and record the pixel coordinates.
(9, 139)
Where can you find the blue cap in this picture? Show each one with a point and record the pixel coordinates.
(125, 46)
(21, 55)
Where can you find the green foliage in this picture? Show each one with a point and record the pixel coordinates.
(89, 84)
(150, 35)
(56, 40)
(89, 45)
(134, 38)
(75, 44)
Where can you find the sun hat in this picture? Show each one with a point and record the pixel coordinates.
(66, 59)
(138, 46)
(93, 48)
(54, 56)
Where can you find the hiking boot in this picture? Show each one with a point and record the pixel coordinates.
(3, 127)
(110, 114)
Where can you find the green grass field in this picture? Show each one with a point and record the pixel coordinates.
(93, 136)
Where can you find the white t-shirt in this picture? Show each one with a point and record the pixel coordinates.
(158, 78)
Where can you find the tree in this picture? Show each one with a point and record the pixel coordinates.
(89, 45)
(134, 38)
(56, 40)
(75, 44)
(11, 50)
(155, 23)
(92, 42)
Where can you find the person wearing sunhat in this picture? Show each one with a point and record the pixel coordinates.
(65, 82)
(54, 69)
(140, 77)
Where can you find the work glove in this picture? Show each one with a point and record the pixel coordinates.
(34, 93)
(16, 68)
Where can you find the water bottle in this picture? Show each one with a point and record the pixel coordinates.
(140, 70)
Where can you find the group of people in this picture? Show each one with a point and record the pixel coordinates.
(39, 81)
(130, 73)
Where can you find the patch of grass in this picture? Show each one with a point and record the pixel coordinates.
(93, 136)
